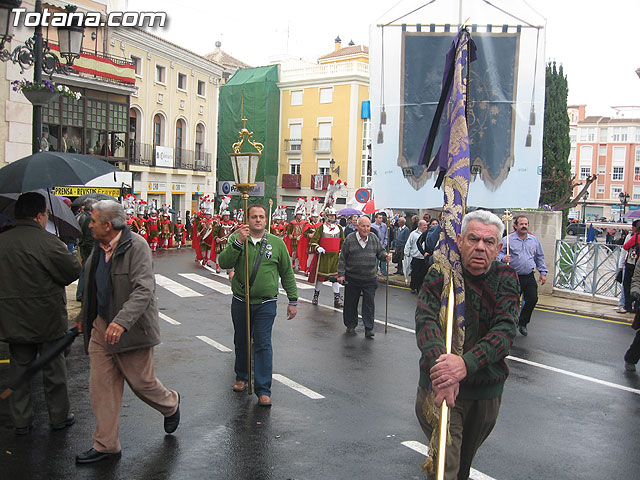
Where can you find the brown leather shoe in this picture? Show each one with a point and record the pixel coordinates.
(239, 386)
(264, 401)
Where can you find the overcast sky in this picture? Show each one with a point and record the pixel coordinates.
(596, 41)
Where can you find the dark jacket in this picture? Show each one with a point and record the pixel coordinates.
(132, 294)
(35, 269)
(85, 242)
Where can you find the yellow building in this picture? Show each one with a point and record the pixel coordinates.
(323, 133)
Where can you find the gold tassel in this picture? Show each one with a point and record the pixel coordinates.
(527, 142)
(380, 135)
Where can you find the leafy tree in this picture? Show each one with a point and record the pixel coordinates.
(557, 181)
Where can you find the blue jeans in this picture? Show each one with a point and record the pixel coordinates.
(383, 267)
(262, 317)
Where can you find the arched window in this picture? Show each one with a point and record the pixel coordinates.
(199, 142)
(157, 129)
(179, 142)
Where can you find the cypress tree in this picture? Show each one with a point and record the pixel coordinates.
(556, 168)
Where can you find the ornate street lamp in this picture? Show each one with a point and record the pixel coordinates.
(624, 199)
(36, 52)
(245, 167)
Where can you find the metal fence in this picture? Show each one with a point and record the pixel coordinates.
(588, 268)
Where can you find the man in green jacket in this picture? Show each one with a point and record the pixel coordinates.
(36, 268)
(268, 261)
(471, 384)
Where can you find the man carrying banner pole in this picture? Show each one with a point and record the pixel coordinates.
(462, 367)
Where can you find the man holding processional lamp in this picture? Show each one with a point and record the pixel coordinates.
(253, 309)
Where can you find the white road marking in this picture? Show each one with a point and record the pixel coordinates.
(510, 357)
(168, 319)
(306, 285)
(424, 450)
(175, 287)
(575, 375)
(213, 343)
(393, 325)
(217, 286)
(297, 387)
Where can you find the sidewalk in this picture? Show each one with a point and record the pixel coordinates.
(561, 302)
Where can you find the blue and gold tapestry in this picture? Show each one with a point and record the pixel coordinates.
(491, 109)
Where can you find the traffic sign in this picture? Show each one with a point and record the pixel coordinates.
(363, 195)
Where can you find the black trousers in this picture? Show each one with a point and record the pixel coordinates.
(418, 271)
(352, 291)
(633, 354)
(399, 255)
(626, 286)
(529, 288)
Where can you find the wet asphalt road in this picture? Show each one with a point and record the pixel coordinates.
(552, 425)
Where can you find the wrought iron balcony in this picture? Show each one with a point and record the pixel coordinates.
(322, 145)
(149, 155)
(292, 145)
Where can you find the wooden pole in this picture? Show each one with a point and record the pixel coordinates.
(507, 218)
(444, 410)
(270, 208)
(386, 290)
(247, 299)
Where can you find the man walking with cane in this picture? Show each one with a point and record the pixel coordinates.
(357, 270)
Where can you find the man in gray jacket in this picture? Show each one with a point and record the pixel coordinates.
(36, 268)
(357, 267)
(119, 319)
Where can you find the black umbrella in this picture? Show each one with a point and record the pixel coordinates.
(35, 366)
(60, 214)
(94, 196)
(51, 169)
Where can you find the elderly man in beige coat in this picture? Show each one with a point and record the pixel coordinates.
(119, 319)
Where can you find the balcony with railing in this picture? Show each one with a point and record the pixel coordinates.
(101, 66)
(322, 145)
(291, 180)
(292, 145)
(342, 69)
(158, 156)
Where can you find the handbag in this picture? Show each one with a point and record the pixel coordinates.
(619, 276)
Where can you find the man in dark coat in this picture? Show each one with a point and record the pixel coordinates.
(36, 268)
(85, 242)
(119, 319)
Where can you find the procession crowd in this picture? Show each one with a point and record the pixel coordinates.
(119, 316)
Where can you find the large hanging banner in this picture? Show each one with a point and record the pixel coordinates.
(492, 92)
(505, 115)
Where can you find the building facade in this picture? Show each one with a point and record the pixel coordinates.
(172, 119)
(84, 125)
(325, 124)
(610, 148)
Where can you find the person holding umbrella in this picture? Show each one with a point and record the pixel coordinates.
(36, 268)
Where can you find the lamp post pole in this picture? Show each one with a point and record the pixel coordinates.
(37, 79)
(245, 188)
(245, 166)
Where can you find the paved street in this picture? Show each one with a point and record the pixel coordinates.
(343, 406)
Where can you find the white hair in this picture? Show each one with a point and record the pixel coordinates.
(111, 211)
(485, 217)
